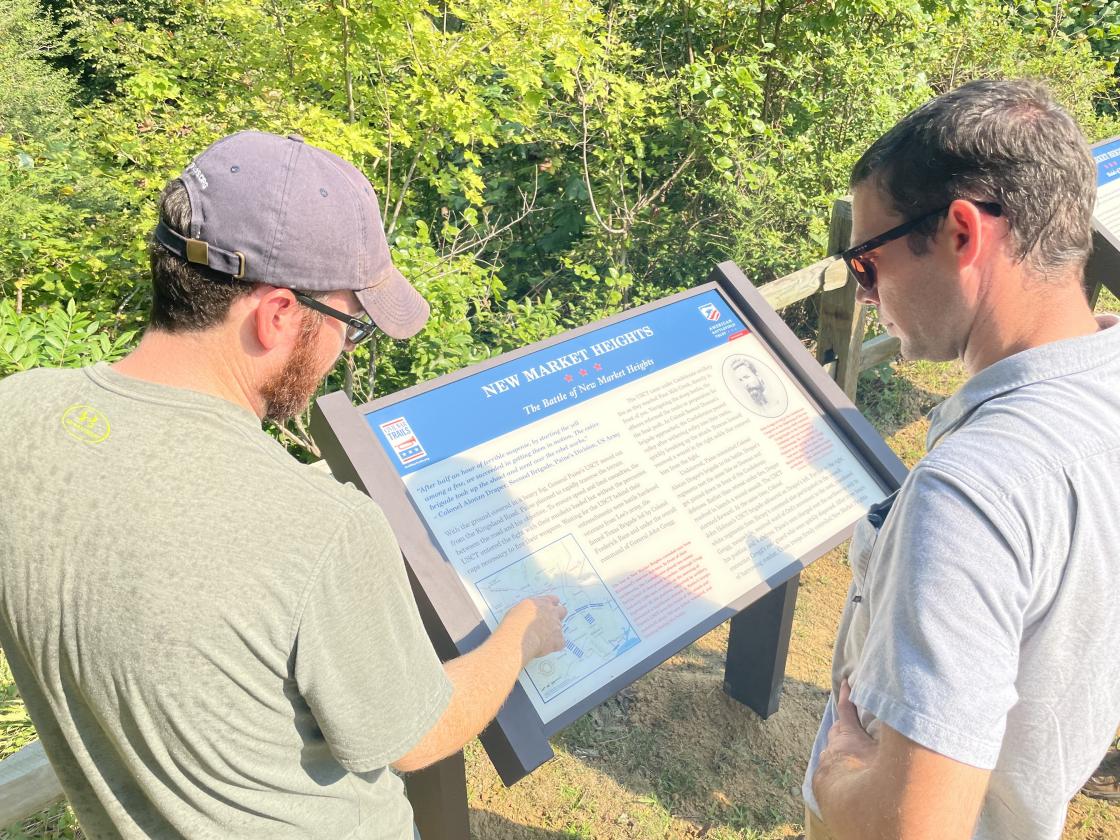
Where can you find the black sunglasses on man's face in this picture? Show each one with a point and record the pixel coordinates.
(863, 269)
(357, 330)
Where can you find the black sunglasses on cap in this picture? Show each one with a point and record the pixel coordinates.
(863, 269)
(357, 330)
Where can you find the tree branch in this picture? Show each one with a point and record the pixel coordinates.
(305, 440)
(392, 226)
(647, 200)
(586, 171)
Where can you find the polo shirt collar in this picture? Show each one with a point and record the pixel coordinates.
(1049, 361)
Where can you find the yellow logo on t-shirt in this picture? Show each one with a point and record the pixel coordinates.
(86, 424)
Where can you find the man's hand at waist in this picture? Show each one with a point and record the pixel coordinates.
(889, 787)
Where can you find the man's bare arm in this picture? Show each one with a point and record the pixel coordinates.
(890, 788)
(482, 679)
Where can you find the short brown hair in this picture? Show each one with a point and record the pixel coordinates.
(1001, 141)
(186, 297)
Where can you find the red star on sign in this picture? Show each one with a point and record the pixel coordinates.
(582, 372)
(598, 366)
(568, 377)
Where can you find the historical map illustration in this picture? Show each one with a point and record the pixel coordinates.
(595, 629)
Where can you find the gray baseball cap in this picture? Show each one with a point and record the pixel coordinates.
(277, 210)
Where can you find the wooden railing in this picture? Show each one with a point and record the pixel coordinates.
(27, 782)
(840, 347)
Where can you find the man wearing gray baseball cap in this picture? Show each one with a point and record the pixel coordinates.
(212, 639)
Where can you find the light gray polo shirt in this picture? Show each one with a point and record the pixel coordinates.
(213, 640)
(984, 614)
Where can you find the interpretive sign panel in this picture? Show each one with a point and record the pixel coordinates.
(649, 473)
(1106, 155)
(659, 472)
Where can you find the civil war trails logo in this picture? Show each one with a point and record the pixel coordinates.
(403, 440)
(709, 311)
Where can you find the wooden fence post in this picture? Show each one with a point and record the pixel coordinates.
(840, 335)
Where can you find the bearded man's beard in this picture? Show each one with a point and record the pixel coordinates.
(289, 392)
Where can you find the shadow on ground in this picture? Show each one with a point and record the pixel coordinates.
(671, 756)
(486, 825)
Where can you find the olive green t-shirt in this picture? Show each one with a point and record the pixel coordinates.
(212, 639)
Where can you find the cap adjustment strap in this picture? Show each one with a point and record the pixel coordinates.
(200, 252)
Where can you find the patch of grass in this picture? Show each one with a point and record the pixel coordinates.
(581, 735)
(582, 831)
(1093, 819)
(573, 796)
(654, 820)
(1108, 302)
(739, 817)
(16, 728)
(894, 396)
(579, 821)
(57, 823)
(677, 781)
(747, 832)
(681, 707)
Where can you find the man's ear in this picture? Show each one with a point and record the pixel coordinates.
(964, 228)
(277, 317)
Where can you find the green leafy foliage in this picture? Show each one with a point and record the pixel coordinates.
(539, 164)
(1096, 22)
(67, 253)
(55, 336)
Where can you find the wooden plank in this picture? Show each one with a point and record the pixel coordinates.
(875, 351)
(823, 276)
(882, 348)
(27, 784)
(840, 335)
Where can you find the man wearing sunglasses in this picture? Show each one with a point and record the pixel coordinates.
(212, 639)
(975, 677)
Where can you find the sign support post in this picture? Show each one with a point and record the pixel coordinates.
(1103, 268)
(757, 648)
(439, 799)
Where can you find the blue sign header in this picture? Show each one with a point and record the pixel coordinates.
(1107, 159)
(451, 418)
